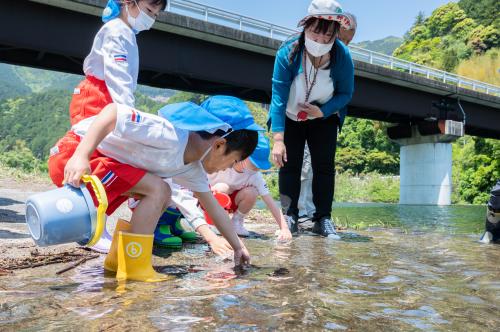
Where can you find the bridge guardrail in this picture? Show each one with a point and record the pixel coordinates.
(248, 24)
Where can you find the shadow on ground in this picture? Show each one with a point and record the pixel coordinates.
(10, 214)
(5, 234)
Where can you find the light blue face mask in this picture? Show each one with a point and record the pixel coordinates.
(111, 11)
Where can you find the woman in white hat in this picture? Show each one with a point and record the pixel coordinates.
(313, 81)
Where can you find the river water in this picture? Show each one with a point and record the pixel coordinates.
(424, 270)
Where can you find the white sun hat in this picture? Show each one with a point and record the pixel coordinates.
(327, 10)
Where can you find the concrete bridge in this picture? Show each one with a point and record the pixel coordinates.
(186, 53)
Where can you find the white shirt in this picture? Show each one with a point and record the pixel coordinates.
(320, 93)
(151, 143)
(114, 58)
(238, 181)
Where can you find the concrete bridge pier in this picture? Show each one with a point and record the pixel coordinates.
(426, 167)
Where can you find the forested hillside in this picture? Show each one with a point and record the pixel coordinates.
(462, 37)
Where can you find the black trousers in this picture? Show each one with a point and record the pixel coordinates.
(321, 137)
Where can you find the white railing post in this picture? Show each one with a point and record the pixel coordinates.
(410, 68)
(206, 14)
(370, 56)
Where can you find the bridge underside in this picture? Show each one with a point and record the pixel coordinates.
(52, 38)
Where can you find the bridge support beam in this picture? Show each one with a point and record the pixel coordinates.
(425, 169)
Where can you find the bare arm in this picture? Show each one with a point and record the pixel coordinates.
(78, 164)
(221, 220)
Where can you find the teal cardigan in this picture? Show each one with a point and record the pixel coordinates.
(342, 74)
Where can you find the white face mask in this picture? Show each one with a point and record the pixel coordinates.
(317, 49)
(140, 23)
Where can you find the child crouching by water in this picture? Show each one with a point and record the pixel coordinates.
(131, 151)
(244, 183)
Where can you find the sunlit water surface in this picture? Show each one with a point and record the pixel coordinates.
(426, 272)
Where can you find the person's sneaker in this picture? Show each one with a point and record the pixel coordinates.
(293, 224)
(325, 227)
(238, 221)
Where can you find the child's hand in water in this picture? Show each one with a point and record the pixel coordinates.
(284, 235)
(220, 246)
(75, 168)
(241, 257)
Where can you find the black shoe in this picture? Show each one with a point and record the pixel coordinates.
(293, 224)
(325, 227)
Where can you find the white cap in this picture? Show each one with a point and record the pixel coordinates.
(327, 10)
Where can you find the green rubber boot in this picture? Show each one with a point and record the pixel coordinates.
(163, 237)
(177, 230)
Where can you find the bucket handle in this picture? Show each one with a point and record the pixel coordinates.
(102, 198)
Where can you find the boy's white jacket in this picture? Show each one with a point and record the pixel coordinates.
(114, 58)
(151, 143)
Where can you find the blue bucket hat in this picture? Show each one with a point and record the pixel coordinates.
(111, 11)
(232, 111)
(260, 156)
(192, 117)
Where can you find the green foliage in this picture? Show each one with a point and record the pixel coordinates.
(452, 34)
(10, 84)
(41, 119)
(356, 189)
(483, 38)
(385, 46)
(183, 96)
(39, 80)
(484, 12)
(38, 119)
(364, 147)
(444, 19)
(21, 157)
(368, 188)
(146, 104)
(272, 183)
(476, 168)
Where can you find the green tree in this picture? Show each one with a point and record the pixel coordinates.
(476, 169)
(21, 157)
(485, 12)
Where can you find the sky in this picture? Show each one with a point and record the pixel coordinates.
(376, 19)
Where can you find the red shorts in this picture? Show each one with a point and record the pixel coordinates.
(117, 178)
(233, 206)
(89, 98)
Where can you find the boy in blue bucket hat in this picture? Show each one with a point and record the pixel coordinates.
(244, 183)
(131, 152)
